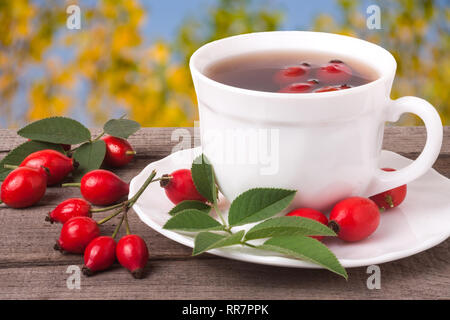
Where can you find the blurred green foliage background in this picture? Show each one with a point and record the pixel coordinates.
(110, 67)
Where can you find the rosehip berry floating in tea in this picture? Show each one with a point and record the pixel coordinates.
(132, 253)
(58, 165)
(301, 87)
(24, 187)
(334, 72)
(119, 152)
(354, 219)
(99, 255)
(76, 234)
(292, 74)
(391, 198)
(102, 187)
(179, 186)
(68, 209)
(310, 214)
(332, 88)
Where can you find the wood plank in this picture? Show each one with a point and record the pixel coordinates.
(157, 142)
(423, 276)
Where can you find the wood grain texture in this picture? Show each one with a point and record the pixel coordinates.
(30, 269)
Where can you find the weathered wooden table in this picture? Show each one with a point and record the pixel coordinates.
(31, 269)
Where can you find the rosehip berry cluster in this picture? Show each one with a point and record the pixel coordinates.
(80, 234)
(26, 184)
(305, 78)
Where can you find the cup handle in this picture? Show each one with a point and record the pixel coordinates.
(386, 180)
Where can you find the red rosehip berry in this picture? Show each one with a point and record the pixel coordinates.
(99, 255)
(102, 187)
(310, 214)
(334, 72)
(58, 165)
(179, 186)
(390, 198)
(132, 253)
(354, 218)
(332, 88)
(24, 187)
(292, 74)
(299, 87)
(68, 209)
(76, 234)
(119, 152)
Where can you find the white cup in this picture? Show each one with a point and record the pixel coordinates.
(325, 145)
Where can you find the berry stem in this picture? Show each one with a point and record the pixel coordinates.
(389, 201)
(127, 226)
(130, 153)
(99, 136)
(110, 216)
(10, 166)
(71, 184)
(149, 180)
(118, 227)
(122, 204)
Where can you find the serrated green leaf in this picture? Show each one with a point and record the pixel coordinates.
(190, 204)
(287, 226)
(305, 248)
(258, 204)
(205, 241)
(90, 157)
(56, 130)
(192, 220)
(17, 155)
(121, 128)
(203, 177)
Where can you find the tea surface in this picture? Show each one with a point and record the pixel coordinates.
(290, 72)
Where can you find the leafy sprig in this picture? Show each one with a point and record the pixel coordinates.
(285, 235)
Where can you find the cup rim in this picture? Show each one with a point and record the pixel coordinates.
(281, 95)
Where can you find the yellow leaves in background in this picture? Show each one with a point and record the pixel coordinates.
(45, 104)
(109, 68)
(159, 52)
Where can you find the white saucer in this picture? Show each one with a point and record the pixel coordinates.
(421, 222)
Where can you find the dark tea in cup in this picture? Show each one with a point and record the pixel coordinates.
(290, 72)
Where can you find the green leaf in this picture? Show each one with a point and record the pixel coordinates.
(305, 248)
(205, 241)
(56, 130)
(203, 177)
(258, 204)
(192, 220)
(17, 155)
(190, 204)
(90, 157)
(121, 128)
(288, 226)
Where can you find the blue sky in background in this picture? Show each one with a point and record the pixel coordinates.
(165, 17)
